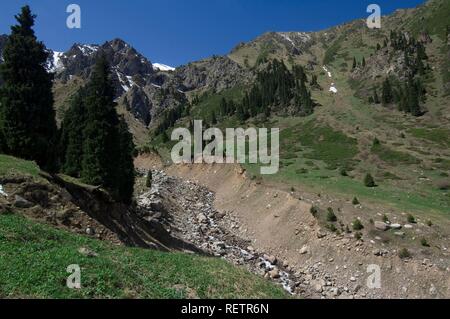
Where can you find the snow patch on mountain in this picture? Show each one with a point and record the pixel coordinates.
(54, 63)
(287, 38)
(162, 67)
(88, 49)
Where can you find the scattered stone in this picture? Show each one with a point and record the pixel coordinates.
(381, 226)
(400, 234)
(321, 235)
(318, 285)
(21, 202)
(2, 192)
(271, 259)
(396, 226)
(304, 250)
(433, 290)
(408, 226)
(274, 273)
(87, 252)
(201, 218)
(90, 231)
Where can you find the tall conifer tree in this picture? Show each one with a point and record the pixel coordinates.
(27, 118)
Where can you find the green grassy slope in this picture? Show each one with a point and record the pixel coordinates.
(34, 259)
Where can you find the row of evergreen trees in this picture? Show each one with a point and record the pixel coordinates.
(275, 88)
(94, 142)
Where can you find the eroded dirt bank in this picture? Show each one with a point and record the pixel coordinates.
(324, 264)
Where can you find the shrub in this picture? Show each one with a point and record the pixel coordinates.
(331, 216)
(376, 142)
(343, 172)
(347, 229)
(411, 219)
(332, 228)
(404, 253)
(369, 181)
(314, 211)
(355, 201)
(424, 242)
(429, 223)
(357, 225)
(371, 221)
(358, 235)
(385, 218)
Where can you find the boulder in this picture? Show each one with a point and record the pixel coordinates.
(304, 250)
(274, 273)
(381, 226)
(21, 202)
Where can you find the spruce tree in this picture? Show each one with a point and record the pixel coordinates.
(363, 62)
(27, 118)
(355, 64)
(125, 168)
(72, 130)
(387, 95)
(100, 149)
(369, 181)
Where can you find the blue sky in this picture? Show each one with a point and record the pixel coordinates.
(175, 32)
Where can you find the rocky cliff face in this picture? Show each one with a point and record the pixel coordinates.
(216, 73)
(144, 89)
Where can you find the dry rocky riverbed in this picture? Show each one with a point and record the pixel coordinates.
(187, 211)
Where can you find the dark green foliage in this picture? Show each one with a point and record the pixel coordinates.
(408, 94)
(96, 143)
(429, 223)
(355, 64)
(376, 142)
(411, 219)
(275, 88)
(314, 211)
(27, 119)
(72, 130)
(369, 181)
(343, 172)
(357, 225)
(314, 82)
(385, 218)
(100, 134)
(331, 227)
(355, 201)
(170, 117)
(387, 96)
(358, 235)
(125, 168)
(331, 216)
(424, 242)
(364, 62)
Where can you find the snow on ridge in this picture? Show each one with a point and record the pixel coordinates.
(162, 67)
(54, 62)
(287, 38)
(87, 49)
